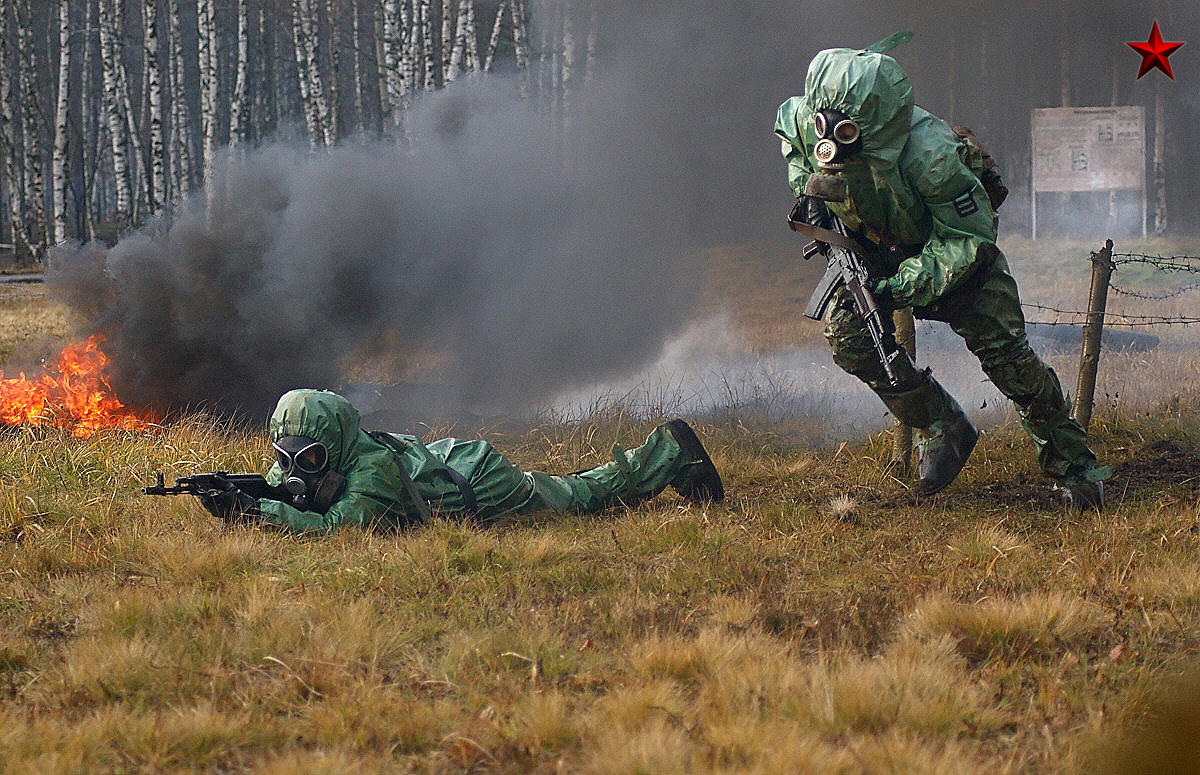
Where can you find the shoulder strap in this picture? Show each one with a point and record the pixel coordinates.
(397, 447)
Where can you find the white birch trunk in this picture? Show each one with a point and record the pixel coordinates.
(410, 18)
(239, 108)
(333, 104)
(36, 223)
(447, 39)
(311, 117)
(357, 70)
(589, 67)
(9, 145)
(397, 63)
(60, 122)
(1160, 175)
(158, 167)
(209, 85)
(520, 43)
(139, 172)
(466, 14)
(117, 126)
(309, 39)
(568, 67)
(181, 115)
(471, 62)
(426, 25)
(489, 57)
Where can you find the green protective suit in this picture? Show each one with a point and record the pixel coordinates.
(376, 496)
(913, 191)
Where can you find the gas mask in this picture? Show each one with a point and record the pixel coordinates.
(839, 137)
(306, 475)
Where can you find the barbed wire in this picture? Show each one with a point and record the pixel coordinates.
(1161, 263)
(1164, 264)
(1125, 319)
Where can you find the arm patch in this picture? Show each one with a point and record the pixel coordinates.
(964, 204)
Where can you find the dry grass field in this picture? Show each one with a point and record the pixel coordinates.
(818, 621)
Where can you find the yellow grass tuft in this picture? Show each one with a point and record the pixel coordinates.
(1030, 626)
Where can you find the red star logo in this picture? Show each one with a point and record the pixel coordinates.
(1155, 52)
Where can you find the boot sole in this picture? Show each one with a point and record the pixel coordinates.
(709, 480)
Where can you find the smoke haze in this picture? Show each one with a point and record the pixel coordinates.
(523, 260)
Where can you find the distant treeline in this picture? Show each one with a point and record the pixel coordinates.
(110, 110)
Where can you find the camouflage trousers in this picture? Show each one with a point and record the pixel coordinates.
(986, 312)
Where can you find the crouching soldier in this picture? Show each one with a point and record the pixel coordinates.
(340, 474)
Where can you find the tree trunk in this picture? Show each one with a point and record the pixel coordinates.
(520, 43)
(311, 115)
(36, 223)
(10, 143)
(494, 39)
(397, 61)
(426, 25)
(239, 108)
(117, 126)
(209, 85)
(1160, 176)
(61, 126)
(158, 162)
(181, 114)
(334, 123)
(458, 54)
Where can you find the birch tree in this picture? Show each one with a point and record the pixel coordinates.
(157, 179)
(10, 144)
(240, 105)
(61, 127)
(209, 85)
(117, 126)
(464, 32)
(426, 25)
(36, 223)
(181, 119)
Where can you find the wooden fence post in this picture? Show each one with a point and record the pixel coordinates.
(1093, 329)
(902, 435)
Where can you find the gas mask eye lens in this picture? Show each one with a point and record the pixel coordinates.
(820, 124)
(311, 459)
(300, 453)
(846, 131)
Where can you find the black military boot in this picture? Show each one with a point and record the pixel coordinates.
(698, 481)
(943, 451)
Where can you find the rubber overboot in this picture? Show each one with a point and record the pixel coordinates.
(946, 437)
(943, 451)
(1082, 496)
(698, 481)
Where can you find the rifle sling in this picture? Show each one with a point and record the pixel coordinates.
(409, 485)
(827, 236)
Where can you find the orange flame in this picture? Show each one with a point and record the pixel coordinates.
(73, 393)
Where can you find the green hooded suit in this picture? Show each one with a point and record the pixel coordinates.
(376, 495)
(913, 191)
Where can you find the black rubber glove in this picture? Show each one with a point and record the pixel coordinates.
(812, 211)
(231, 505)
(883, 295)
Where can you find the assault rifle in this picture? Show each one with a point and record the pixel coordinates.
(843, 256)
(216, 482)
